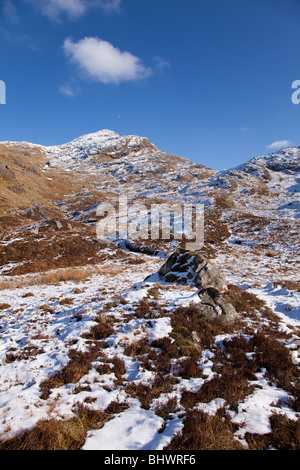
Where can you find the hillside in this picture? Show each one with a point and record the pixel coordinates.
(129, 344)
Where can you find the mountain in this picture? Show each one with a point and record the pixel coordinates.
(126, 343)
(275, 176)
(126, 163)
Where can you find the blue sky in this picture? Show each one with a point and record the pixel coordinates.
(208, 80)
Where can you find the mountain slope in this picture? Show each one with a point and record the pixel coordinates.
(275, 176)
(99, 351)
(251, 208)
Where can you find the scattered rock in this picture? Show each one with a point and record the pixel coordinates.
(213, 304)
(58, 224)
(196, 340)
(185, 267)
(35, 213)
(49, 225)
(139, 248)
(7, 174)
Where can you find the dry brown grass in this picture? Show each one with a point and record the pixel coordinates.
(55, 434)
(236, 368)
(25, 182)
(285, 435)
(290, 285)
(48, 278)
(4, 306)
(137, 348)
(186, 320)
(204, 432)
(114, 365)
(76, 274)
(28, 294)
(223, 201)
(52, 250)
(233, 386)
(143, 308)
(142, 392)
(167, 347)
(46, 308)
(68, 274)
(147, 392)
(188, 367)
(247, 222)
(66, 301)
(153, 292)
(78, 365)
(216, 231)
(243, 302)
(23, 354)
(118, 368)
(102, 329)
(272, 355)
(166, 409)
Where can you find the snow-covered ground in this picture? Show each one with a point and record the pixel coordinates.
(39, 332)
(41, 324)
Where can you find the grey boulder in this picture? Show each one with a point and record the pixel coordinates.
(213, 305)
(185, 267)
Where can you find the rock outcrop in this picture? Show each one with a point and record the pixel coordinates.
(36, 212)
(214, 305)
(185, 267)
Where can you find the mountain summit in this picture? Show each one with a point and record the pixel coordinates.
(101, 143)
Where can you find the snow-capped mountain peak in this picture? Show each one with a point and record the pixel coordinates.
(102, 142)
(284, 160)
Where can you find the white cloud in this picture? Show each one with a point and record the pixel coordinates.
(74, 9)
(69, 89)
(161, 63)
(103, 62)
(10, 11)
(109, 5)
(279, 144)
